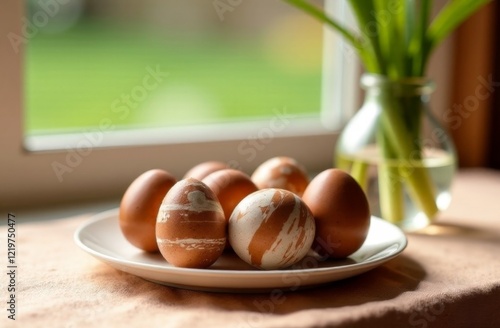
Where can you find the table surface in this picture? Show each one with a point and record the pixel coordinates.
(448, 276)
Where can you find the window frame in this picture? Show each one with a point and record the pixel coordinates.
(29, 166)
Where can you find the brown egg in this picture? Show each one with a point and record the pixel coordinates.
(201, 170)
(271, 229)
(230, 186)
(139, 208)
(341, 212)
(283, 173)
(190, 227)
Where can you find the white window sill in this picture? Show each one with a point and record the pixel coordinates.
(60, 211)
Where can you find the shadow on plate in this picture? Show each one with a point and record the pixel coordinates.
(230, 261)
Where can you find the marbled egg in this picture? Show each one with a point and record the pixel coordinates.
(190, 227)
(341, 212)
(271, 229)
(283, 173)
(139, 207)
(201, 170)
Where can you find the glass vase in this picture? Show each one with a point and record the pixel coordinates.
(399, 152)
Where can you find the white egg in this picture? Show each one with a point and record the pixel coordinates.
(271, 229)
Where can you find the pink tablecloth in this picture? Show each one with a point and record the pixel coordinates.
(448, 277)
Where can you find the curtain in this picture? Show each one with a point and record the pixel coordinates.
(494, 146)
(474, 88)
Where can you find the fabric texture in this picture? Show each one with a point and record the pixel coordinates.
(448, 276)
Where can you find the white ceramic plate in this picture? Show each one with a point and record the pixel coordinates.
(102, 238)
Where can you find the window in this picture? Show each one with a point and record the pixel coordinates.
(234, 93)
(158, 63)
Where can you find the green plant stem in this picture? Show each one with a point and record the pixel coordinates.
(411, 165)
(391, 200)
(359, 171)
(342, 162)
(399, 49)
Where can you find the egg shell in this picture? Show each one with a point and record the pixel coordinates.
(281, 172)
(341, 212)
(271, 229)
(201, 170)
(190, 227)
(139, 207)
(230, 186)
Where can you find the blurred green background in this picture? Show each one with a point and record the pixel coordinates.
(92, 55)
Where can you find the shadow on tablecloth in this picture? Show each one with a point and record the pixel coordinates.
(388, 281)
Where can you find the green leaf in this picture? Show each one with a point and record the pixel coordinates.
(396, 27)
(388, 44)
(364, 11)
(450, 17)
(364, 54)
(402, 46)
(320, 14)
(408, 20)
(420, 46)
